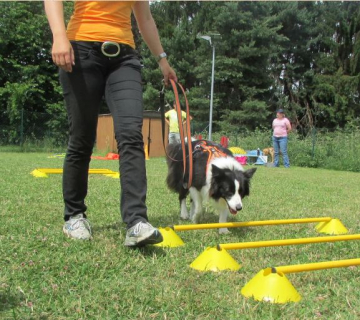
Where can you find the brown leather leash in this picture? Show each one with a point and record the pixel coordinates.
(174, 85)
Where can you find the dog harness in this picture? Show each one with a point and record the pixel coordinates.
(212, 151)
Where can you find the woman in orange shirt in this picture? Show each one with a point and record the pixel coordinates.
(96, 57)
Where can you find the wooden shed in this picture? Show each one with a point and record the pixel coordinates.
(105, 136)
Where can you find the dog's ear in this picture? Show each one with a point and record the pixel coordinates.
(213, 189)
(216, 171)
(249, 173)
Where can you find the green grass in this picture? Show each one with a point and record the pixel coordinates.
(43, 275)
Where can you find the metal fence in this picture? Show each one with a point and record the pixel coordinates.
(33, 127)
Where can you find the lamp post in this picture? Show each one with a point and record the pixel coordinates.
(212, 44)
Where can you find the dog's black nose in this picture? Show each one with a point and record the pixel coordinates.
(238, 207)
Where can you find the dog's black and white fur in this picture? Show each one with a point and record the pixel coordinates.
(223, 180)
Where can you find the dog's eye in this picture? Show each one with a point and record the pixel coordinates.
(227, 193)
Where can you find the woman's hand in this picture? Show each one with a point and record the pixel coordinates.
(167, 71)
(150, 35)
(62, 51)
(63, 54)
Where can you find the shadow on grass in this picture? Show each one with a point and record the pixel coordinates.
(117, 226)
(150, 251)
(8, 301)
(241, 232)
(165, 221)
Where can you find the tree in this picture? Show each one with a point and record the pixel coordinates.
(312, 70)
(28, 79)
(304, 56)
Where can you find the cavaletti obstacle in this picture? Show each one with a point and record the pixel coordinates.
(211, 258)
(326, 225)
(44, 172)
(271, 284)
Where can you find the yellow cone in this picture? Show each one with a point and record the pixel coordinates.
(215, 260)
(171, 239)
(38, 174)
(332, 227)
(271, 287)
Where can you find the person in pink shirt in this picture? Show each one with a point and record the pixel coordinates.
(281, 126)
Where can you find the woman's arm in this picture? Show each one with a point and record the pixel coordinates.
(150, 35)
(288, 126)
(62, 51)
(186, 119)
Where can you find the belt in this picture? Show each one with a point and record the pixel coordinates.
(113, 49)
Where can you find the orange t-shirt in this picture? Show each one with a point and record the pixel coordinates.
(102, 21)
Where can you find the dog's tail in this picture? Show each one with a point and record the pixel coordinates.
(174, 152)
(174, 159)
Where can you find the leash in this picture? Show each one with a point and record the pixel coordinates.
(174, 85)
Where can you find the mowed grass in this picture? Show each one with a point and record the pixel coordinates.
(47, 276)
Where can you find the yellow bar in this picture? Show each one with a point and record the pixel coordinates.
(51, 170)
(101, 171)
(247, 224)
(318, 266)
(286, 242)
(92, 171)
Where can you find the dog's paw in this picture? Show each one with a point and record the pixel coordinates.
(224, 231)
(196, 218)
(184, 217)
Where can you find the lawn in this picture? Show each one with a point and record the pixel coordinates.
(44, 275)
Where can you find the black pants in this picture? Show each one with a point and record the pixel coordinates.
(119, 79)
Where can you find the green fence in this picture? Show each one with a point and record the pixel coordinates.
(34, 128)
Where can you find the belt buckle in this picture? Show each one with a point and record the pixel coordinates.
(110, 55)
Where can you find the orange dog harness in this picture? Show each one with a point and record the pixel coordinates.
(212, 151)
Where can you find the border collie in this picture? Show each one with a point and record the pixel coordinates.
(217, 175)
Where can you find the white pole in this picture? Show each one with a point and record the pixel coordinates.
(212, 91)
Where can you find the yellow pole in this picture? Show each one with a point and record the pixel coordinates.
(247, 224)
(60, 171)
(50, 170)
(317, 266)
(146, 151)
(286, 242)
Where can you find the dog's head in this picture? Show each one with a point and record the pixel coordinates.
(267, 151)
(230, 185)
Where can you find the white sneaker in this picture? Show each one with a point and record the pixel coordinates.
(77, 227)
(141, 234)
